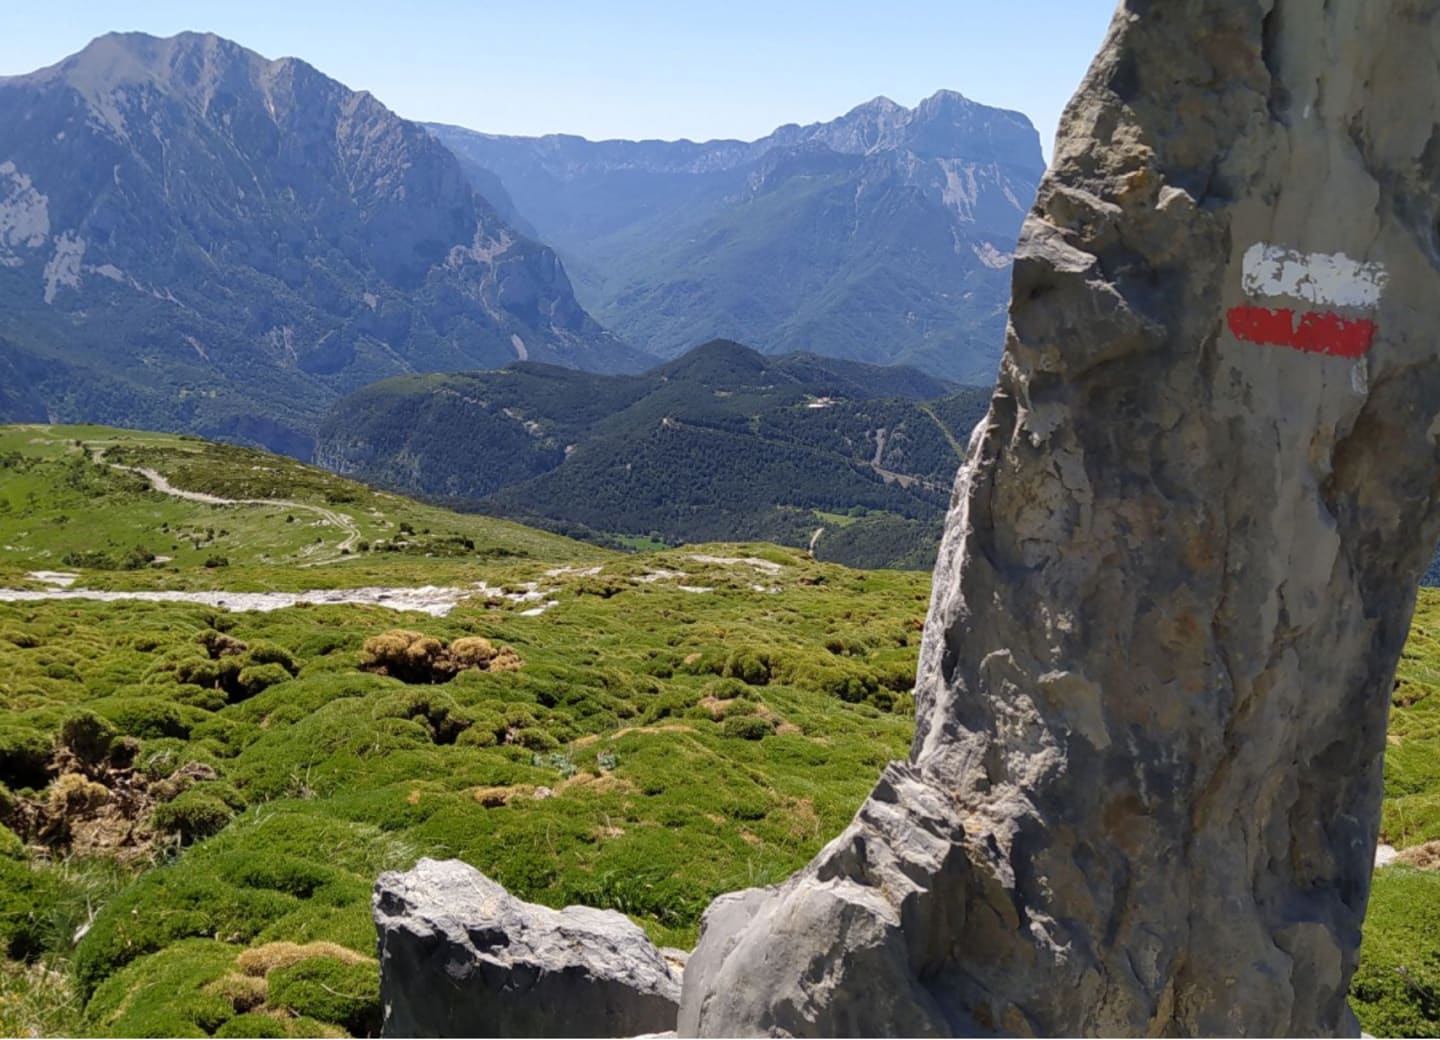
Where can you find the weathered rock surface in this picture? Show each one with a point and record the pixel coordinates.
(1177, 573)
(460, 956)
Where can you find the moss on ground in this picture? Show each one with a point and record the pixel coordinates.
(655, 746)
(646, 747)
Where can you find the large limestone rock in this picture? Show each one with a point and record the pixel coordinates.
(1177, 572)
(460, 956)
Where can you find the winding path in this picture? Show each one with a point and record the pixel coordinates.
(158, 481)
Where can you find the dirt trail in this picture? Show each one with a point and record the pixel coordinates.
(954, 444)
(343, 522)
(429, 599)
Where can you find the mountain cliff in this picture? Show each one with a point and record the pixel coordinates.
(883, 236)
(195, 237)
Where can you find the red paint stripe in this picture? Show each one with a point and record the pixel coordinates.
(1318, 332)
(1257, 325)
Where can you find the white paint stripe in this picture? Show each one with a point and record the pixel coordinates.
(1330, 279)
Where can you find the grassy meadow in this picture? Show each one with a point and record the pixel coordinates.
(60, 499)
(196, 802)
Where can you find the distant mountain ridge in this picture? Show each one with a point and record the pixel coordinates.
(883, 236)
(194, 237)
(721, 442)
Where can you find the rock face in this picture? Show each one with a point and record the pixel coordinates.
(193, 237)
(884, 235)
(1177, 573)
(459, 956)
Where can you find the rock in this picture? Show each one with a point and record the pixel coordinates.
(1176, 577)
(1385, 855)
(460, 956)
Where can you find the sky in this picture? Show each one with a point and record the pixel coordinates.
(629, 68)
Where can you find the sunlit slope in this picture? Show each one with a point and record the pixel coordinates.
(74, 498)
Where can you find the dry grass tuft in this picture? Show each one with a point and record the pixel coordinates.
(261, 960)
(244, 992)
(414, 657)
(1422, 857)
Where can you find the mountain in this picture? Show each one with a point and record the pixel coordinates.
(193, 237)
(882, 236)
(722, 443)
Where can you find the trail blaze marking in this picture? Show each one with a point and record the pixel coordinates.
(1318, 332)
(1329, 279)
(1326, 279)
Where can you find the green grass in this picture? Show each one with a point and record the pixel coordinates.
(1412, 759)
(655, 748)
(659, 801)
(57, 504)
(1396, 991)
(640, 543)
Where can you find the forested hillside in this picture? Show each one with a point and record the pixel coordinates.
(721, 443)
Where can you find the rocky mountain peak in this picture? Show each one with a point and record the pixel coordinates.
(894, 227)
(141, 175)
(946, 124)
(115, 73)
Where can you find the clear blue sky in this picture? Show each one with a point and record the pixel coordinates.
(629, 68)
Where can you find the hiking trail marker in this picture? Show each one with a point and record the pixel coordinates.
(1330, 281)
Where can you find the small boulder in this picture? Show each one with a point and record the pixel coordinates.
(460, 956)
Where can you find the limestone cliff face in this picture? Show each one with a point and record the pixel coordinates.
(882, 236)
(1178, 570)
(194, 237)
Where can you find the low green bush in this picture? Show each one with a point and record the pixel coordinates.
(749, 666)
(252, 1025)
(164, 993)
(258, 678)
(88, 737)
(25, 896)
(330, 990)
(24, 755)
(206, 698)
(165, 906)
(196, 813)
(671, 704)
(149, 717)
(747, 727)
(269, 653)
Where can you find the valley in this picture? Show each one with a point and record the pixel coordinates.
(854, 461)
(883, 235)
